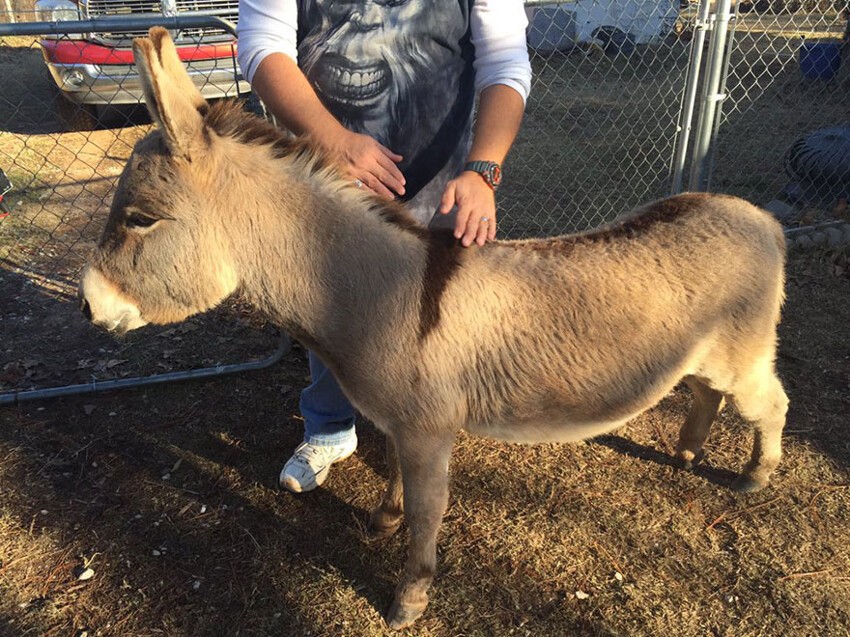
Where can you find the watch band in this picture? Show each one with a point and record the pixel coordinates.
(490, 172)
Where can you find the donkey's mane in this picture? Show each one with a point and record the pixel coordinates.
(227, 118)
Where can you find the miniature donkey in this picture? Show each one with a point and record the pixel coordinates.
(556, 339)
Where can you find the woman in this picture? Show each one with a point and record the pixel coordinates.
(388, 87)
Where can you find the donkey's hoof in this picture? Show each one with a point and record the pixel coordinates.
(688, 460)
(746, 484)
(401, 617)
(382, 525)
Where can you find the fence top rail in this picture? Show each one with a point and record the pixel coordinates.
(116, 23)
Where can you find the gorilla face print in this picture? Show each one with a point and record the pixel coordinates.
(356, 69)
(371, 60)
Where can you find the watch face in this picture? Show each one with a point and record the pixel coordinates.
(495, 174)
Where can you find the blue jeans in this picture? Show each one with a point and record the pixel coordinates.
(328, 416)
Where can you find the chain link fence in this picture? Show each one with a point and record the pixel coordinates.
(625, 107)
(783, 140)
(601, 125)
(70, 113)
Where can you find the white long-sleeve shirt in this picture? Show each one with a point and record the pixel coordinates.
(497, 28)
(404, 72)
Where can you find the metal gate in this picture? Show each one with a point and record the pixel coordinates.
(631, 100)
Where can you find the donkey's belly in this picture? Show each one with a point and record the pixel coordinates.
(549, 429)
(570, 422)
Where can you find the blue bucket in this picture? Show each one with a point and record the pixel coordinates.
(820, 60)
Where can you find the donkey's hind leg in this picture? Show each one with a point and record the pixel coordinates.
(386, 519)
(704, 408)
(762, 402)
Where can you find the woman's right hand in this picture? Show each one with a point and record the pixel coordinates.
(363, 158)
(288, 94)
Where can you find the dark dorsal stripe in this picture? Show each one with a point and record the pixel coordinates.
(630, 227)
(659, 212)
(443, 263)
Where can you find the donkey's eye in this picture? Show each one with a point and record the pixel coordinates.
(140, 220)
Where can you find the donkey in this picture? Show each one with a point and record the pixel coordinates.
(557, 339)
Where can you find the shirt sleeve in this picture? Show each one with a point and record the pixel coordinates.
(501, 53)
(265, 27)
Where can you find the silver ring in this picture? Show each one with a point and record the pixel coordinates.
(485, 219)
(358, 183)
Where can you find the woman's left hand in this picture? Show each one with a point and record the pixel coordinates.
(476, 208)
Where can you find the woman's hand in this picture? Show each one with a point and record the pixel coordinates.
(289, 95)
(476, 208)
(366, 161)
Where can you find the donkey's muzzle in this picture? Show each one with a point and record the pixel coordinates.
(102, 303)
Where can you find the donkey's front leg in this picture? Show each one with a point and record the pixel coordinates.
(386, 519)
(424, 461)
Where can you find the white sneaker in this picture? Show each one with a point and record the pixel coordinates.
(309, 466)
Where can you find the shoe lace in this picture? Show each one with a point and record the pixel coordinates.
(308, 453)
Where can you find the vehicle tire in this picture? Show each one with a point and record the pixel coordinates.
(76, 117)
(614, 40)
(121, 115)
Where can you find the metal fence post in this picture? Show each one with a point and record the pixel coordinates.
(718, 115)
(684, 128)
(711, 97)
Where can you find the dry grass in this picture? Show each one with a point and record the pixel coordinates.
(653, 551)
(656, 550)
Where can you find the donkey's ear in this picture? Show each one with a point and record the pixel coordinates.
(175, 104)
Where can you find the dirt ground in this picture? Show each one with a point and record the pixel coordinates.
(168, 496)
(156, 512)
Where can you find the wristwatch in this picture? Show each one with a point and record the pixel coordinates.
(490, 172)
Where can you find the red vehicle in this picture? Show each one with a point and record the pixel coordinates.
(95, 70)
(5, 187)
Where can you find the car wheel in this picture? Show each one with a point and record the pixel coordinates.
(76, 117)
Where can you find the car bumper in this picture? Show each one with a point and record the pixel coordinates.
(92, 74)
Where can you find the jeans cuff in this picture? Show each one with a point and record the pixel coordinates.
(331, 440)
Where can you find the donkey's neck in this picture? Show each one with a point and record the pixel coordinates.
(320, 258)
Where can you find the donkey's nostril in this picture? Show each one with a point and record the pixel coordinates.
(86, 309)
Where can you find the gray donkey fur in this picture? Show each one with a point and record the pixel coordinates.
(542, 340)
